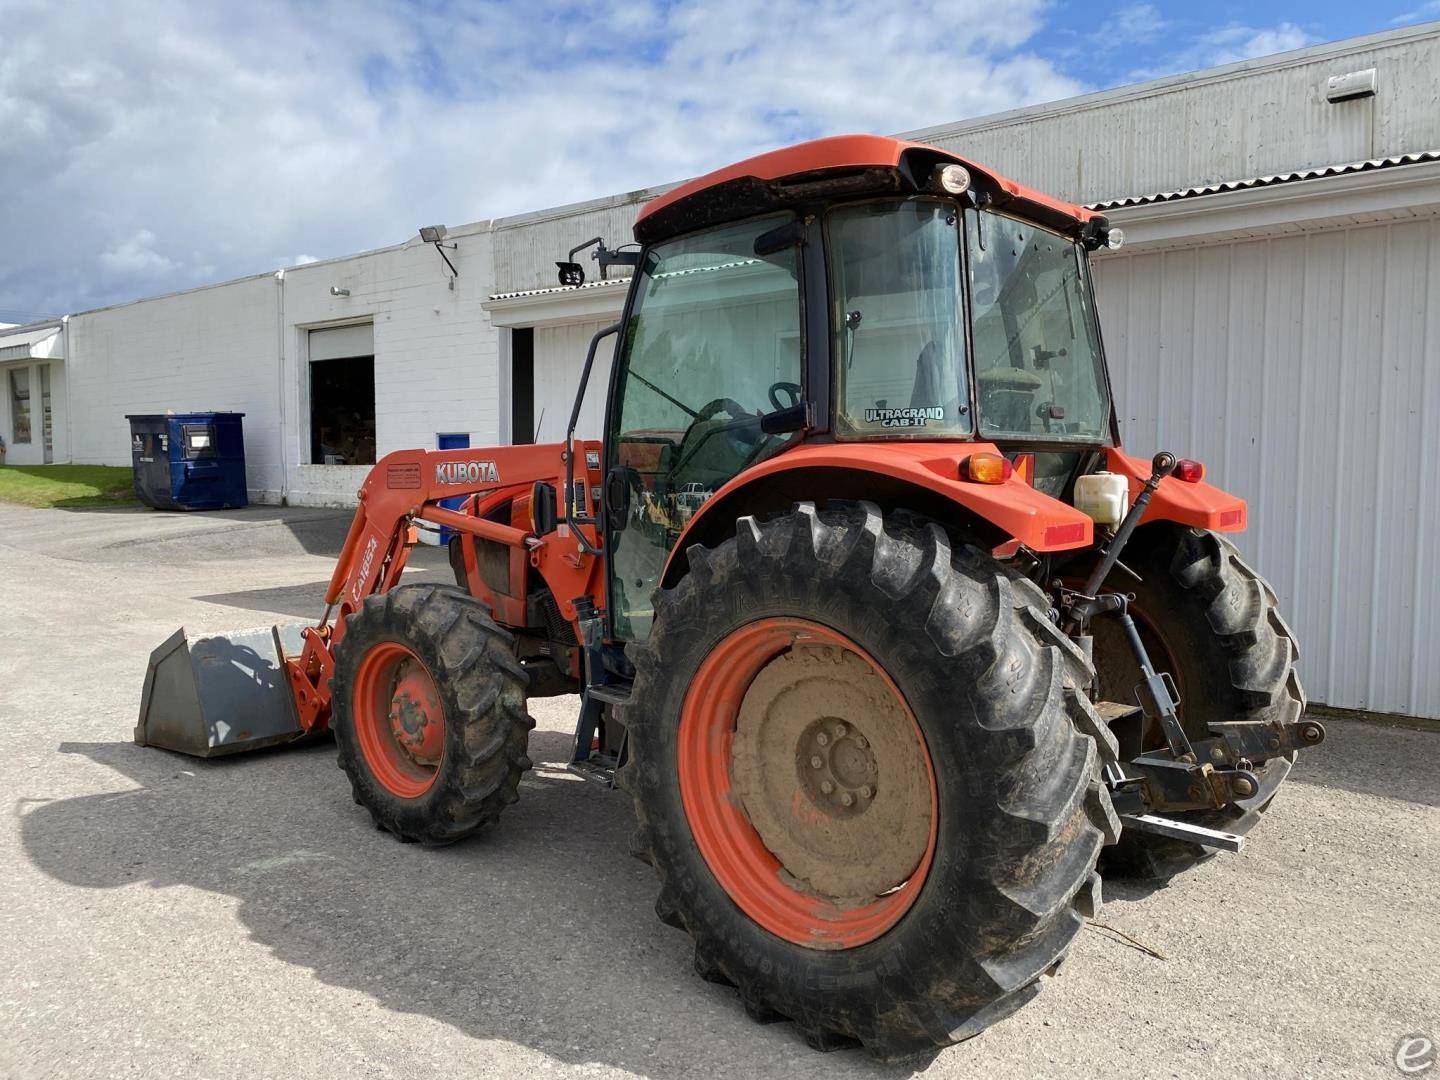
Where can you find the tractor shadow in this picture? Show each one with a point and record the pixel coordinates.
(540, 933)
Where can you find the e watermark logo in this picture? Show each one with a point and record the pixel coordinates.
(1415, 1055)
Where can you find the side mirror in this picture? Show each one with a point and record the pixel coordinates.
(542, 508)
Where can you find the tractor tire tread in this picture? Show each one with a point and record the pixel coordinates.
(1020, 903)
(482, 687)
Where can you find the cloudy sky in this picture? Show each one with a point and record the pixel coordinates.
(151, 145)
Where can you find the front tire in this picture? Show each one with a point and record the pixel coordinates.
(950, 931)
(429, 713)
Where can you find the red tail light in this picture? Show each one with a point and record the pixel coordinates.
(1192, 472)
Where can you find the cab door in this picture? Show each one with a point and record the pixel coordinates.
(711, 345)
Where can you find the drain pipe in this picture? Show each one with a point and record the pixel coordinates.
(280, 364)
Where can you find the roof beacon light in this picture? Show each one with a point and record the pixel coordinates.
(954, 178)
(1192, 472)
(1115, 239)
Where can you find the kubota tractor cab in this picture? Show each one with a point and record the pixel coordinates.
(867, 609)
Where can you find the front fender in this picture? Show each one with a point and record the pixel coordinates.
(1014, 507)
(1199, 505)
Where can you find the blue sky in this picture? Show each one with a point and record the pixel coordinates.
(151, 145)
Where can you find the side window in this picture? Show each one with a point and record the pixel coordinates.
(712, 345)
(899, 325)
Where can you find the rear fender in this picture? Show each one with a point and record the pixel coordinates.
(1199, 505)
(921, 476)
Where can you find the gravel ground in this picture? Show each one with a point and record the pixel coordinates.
(163, 916)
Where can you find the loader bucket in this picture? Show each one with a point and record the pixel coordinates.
(220, 695)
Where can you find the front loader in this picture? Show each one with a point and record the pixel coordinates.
(887, 638)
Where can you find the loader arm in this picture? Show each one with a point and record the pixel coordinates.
(407, 486)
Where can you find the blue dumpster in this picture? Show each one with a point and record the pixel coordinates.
(188, 461)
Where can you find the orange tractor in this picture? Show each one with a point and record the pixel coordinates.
(867, 610)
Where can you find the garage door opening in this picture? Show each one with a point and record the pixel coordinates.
(522, 386)
(342, 396)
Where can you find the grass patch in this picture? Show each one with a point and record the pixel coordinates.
(66, 485)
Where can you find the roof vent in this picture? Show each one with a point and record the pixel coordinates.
(1356, 84)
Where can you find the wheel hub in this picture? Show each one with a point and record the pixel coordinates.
(832, 774)
(837, 768)
(415, 715)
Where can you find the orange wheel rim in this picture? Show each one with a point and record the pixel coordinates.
(748, 871)
(399, 720)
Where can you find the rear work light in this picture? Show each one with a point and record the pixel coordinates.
(1192, 472)
(986, 469)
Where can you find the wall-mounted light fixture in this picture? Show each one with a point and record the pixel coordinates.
(435, 234)
(1351, 85)
(336, 290)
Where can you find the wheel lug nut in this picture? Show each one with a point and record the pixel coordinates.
(848, 799)
(822, 739)
(861, 741)
(826, 786)
(840, 730)
(866, 792)
(816, 762)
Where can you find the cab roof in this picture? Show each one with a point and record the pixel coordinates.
(830, 168)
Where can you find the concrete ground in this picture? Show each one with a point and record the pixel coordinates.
(162, 916)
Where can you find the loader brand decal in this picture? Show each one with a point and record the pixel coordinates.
(402, 477)
(892, 418)
(466, 472)
(366, 561)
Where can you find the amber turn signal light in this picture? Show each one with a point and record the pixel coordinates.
(986, 469)
(1192, 472)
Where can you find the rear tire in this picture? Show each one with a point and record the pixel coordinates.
(1215, 624)
(1021, 815)
(479, 691)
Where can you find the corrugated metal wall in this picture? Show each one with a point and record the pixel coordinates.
(1255, 119)
(1305, 372)
(559, 359)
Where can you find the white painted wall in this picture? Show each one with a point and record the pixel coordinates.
(208, 349)
(1305, 372)
(436, 354)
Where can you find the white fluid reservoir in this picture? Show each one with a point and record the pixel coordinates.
(1103, 496)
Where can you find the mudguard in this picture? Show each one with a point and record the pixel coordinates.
(1033, 518)
(1199, 505)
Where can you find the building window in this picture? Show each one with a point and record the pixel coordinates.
(342, 411)
(20, 405)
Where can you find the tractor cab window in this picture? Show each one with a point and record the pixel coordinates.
(1038, 365)
(712, 345)
(900, 343)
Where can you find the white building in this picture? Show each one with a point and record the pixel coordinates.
(1275, 313)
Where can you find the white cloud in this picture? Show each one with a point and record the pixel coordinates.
(150, 141)
(1232, 44)
(1134, 24)
(157, 144)
(137, 257)
(1425, 11)
(1223, 45)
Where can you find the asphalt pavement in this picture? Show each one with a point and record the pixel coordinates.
(162, 916)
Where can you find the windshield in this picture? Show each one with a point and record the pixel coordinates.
(1037, 346)
(895, 279)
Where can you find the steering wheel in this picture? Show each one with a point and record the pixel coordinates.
(791, 388)
(711, 409)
